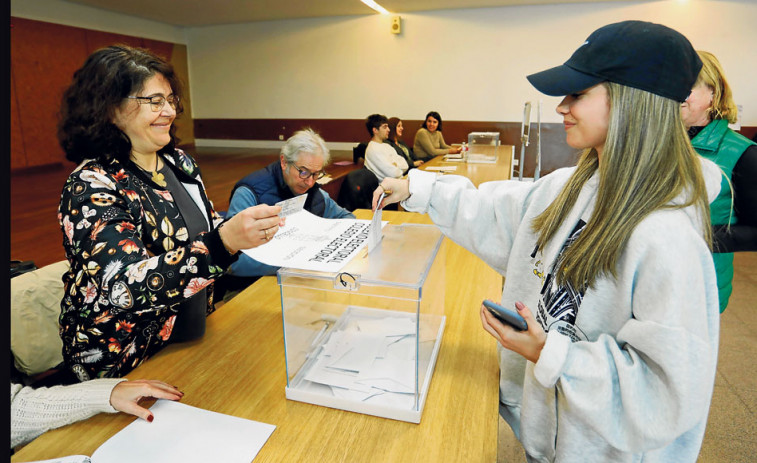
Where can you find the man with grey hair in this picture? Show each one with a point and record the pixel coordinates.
(302, 160)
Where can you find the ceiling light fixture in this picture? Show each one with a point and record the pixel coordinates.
(375, 6)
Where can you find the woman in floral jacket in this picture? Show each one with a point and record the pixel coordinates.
(142, 239)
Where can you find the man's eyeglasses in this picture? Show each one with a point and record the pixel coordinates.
(156, 102)
(305, 174)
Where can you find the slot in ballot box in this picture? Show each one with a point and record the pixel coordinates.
(366, 339)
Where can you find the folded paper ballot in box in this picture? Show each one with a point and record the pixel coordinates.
(365, 339)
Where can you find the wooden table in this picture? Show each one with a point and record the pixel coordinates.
(479, 172)
(238, 368)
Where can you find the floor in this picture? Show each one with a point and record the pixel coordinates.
(731, 434)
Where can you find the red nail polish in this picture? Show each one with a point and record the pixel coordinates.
(150, 418)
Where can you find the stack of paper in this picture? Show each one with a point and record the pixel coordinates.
(369, 359)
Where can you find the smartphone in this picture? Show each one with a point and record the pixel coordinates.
(506, 316)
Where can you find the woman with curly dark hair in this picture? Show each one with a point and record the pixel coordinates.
(141, 237)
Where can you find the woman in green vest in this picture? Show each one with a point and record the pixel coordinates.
(707, 113)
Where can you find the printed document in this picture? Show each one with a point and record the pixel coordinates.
(309, 242)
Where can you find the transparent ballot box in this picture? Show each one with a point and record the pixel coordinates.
(483, 147)
(366, 339)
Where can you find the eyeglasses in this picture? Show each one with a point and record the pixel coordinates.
(156, 102)
(306, 174)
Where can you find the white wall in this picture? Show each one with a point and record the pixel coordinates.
(76, 15)
(467, 64)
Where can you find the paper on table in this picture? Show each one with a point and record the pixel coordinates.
(442, 168)
(184, 434)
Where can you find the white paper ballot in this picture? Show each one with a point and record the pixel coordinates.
(292, 205)
(181, 434)
(374, 236)
(309, 242)
(184, 434)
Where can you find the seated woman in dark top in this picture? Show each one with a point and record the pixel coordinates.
(395, 139)
(141, 237)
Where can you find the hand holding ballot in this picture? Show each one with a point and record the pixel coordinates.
(394, 191)
(251, 227)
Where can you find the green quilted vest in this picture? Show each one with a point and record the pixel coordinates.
(724, 147)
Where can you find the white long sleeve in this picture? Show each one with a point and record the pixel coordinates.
(35, 411)
(383, 160)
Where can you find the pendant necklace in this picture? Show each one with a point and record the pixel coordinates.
(156, 176)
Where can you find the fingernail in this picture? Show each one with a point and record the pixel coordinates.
(519, 305)
(150, 418)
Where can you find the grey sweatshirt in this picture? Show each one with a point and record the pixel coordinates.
(628, 368)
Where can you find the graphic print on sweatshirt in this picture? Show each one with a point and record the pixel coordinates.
(559, 304)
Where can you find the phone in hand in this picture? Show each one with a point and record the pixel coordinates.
(506, 316)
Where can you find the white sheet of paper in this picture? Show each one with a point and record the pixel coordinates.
(374, 234)
(184, 434)
(309, 242)
(390, 375)
(389, 326)
(292, 205)
(359, 355)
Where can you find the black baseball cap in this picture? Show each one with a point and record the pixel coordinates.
(637, 54)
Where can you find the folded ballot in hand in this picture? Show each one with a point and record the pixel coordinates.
(195, 436)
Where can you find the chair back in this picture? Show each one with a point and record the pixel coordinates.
(357, 189)
(35, 307)
(358, 152)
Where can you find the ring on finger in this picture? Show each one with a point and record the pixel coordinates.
(266, 234)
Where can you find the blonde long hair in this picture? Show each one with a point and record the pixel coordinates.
(712, 75)
(647, 162)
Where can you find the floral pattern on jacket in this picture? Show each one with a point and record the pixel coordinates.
(131, 262)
